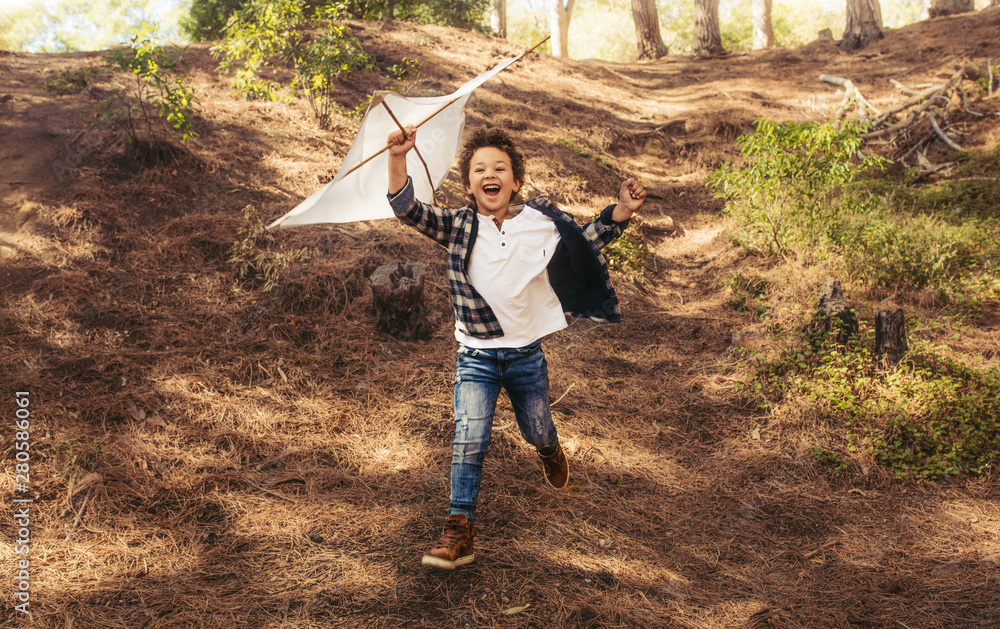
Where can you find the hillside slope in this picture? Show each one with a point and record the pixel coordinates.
(204, 454)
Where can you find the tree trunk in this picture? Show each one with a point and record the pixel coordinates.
(708, 40)
(950, 7)
(890, 335)
(763, 32)
(864, 24)
(398, 292)
(499, 18)
(647, 30)
(559, 26)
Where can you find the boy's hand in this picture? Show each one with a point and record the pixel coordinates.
(630, 199)
(400, 144)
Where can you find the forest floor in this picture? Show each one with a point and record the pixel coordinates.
(204, 454)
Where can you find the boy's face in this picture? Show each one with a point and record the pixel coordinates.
(491, 179)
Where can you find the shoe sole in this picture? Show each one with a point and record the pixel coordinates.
(563, 486)
(549, 483)
(444, 564)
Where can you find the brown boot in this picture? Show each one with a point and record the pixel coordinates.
(455, 548)
(556, 468)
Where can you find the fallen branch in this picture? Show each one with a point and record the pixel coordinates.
(914, 117)
(900, 124)
(928, 168)
(944, 138)
(902, 88)
(851, 93)
(910, 102)
(965, 104)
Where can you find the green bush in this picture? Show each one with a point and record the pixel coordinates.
(778, 192)
(155, 98)
(804, 190)
(267, 34)
(929, 417)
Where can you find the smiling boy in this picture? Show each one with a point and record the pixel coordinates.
(514, 271)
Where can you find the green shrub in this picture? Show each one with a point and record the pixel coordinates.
(155, 98)
(267, 34)
(929, 417)
(406, 69)
(777, 196)
(804, 191)
(464, 14)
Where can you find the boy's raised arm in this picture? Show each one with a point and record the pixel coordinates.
(399, 145)
(630, 199)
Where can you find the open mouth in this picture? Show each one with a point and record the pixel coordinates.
(491, 189)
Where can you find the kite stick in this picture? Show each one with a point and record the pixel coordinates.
(399, 124)
(434, 113)
(388, 146)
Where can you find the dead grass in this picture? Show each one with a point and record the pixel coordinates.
(204, 455)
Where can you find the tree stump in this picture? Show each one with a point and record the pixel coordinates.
(833, 315)
(398, 291)
(890, 335)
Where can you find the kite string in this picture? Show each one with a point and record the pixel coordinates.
(427, 170)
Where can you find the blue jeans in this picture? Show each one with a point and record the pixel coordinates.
(479, 376)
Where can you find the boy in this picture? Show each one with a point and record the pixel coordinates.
(513, 271)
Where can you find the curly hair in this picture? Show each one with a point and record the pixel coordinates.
(497, 138)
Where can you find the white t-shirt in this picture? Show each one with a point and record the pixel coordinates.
(507, 267)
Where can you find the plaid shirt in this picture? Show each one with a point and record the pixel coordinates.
(578, 272)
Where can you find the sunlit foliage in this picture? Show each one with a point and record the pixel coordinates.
(266, 35)
(72, 25)
(154, 97)
(207, 18)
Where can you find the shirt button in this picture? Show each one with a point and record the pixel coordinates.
(503, 244)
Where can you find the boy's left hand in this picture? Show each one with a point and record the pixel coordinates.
(630, 199)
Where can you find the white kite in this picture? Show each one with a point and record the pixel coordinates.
(358, 192)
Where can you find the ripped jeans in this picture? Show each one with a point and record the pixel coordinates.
(479, 376)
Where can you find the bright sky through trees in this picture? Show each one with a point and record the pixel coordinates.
(70, 25)
(596, 26)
